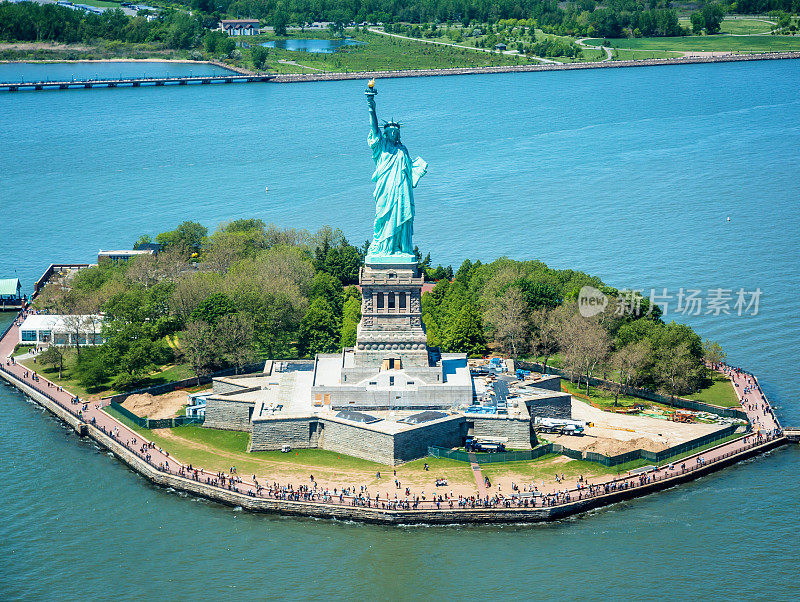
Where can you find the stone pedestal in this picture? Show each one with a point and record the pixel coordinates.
(391, 335)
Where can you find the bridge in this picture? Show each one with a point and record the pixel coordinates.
(792, 434)
(134, 82)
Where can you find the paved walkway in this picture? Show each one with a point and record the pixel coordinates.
(753, 402)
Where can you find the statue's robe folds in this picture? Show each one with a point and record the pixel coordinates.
(395, 178)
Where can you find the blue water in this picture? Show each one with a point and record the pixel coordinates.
(312, 45)
(31, 72)
(628, 174)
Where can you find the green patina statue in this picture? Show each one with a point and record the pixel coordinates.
(395, 178)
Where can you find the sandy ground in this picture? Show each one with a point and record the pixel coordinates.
(619, 433)
(163, 406)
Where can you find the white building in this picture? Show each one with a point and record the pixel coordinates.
(62, 330)
(122, 254)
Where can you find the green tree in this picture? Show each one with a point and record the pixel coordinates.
(279, 22)
(144, 239)
(189, 235)
(675, 367)
(350, 319)
(506, 318)
(197, 344)
(233, 338)
(259, 54)
(713, 14)
(328, 288)
(53, 356)
(698, 23)
(630, 363)
(319, 330)
(213, 308)
(92, 368)
(545, 332)
(465, 334)
(713, 353)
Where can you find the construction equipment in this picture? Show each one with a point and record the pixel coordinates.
(559, 426)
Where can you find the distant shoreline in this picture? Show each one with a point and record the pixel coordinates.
(329, 76)
(343, 76)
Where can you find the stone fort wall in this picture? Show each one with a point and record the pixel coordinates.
(228, 414)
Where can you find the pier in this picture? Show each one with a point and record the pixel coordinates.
(792, 434)
(135, 82)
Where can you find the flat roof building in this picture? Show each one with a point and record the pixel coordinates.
(62, 330)
(123, 254)
(10, 289)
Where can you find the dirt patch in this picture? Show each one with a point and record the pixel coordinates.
(168, 405)
(613, 447)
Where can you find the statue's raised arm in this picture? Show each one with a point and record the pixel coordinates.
(395, 177)
(373, 117)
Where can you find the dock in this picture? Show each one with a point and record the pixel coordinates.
(792, 434)
(134, 82)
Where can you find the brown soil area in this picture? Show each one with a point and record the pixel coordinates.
(168, 405)
(612, 447)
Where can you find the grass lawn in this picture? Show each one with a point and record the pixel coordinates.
(746, 26)
(21, 350)
(218, 450)
(169, 374)
(70, 382)
(739, 26)
(385, 53)
(719, 392)
(718, 43)
(68, 378)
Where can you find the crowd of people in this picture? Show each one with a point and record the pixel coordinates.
(752, 398)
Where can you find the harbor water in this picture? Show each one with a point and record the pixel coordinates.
(627, 174)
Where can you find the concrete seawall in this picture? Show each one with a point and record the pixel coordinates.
(374, 515)
(320, 77)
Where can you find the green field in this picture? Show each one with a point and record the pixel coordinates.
(383, 53)
(719, 392)
(739, 26)
(219, 450)
(719, 43)
(69, 378)
(746, 26)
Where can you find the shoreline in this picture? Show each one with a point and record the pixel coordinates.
(373, 515)
(240, 70)
(352, 75)
(110, 434)
(731, 58)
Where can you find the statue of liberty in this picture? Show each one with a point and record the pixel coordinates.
(395, 178)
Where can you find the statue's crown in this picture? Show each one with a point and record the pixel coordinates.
(391, 124)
